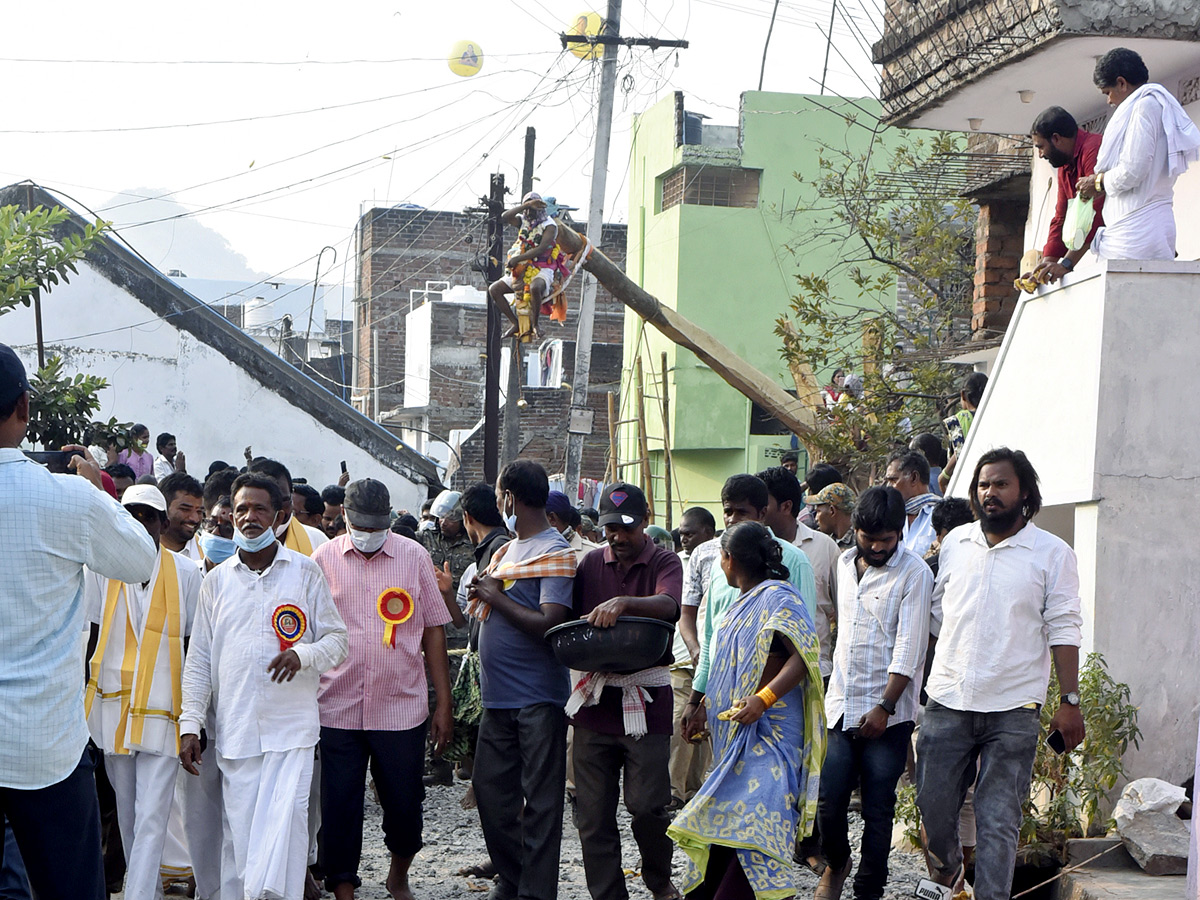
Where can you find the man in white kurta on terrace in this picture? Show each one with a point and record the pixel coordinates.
(1147, 144)
(133, 695)
(266, 628)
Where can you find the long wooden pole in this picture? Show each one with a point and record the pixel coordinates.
(736, 372)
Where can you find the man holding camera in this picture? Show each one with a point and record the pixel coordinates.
(47, 791)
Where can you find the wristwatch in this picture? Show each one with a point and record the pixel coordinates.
(1066, 263)
(889, 706)
(1071, 699)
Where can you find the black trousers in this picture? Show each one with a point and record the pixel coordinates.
(396, 762)
(521, 762)
(600, 761)
(58, 832)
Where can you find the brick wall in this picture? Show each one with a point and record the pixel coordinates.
(399, 250)
(544, 420)
(999, 244)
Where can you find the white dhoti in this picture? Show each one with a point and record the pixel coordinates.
(266, 825)
(144, 784)
(1145, 233)
(202, 816)
(176, 860)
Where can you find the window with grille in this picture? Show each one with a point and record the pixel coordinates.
(710, 186)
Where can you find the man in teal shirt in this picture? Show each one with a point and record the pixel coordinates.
(744, 498)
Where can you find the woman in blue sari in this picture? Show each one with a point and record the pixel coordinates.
(768, 723)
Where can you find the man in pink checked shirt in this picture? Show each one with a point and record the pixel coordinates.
(374, 706)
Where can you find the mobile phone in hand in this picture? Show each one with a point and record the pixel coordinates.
(343, 467)
(1055, 742)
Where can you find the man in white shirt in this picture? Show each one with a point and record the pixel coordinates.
(266, 628)
(786, 500)
(1147, 144)
(883, 592)
(133, 693)
(689, 760)
(60, 524)
(1005, 602)
(908, 472)
(169, 459)
(185, 512)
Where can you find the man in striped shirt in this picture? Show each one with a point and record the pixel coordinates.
(884, 593)
(374, 706)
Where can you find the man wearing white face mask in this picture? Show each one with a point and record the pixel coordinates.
(266, 627)
(292, 533)
(374, 706)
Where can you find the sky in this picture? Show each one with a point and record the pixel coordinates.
(236, 140)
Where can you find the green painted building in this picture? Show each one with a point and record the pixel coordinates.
(719, 226)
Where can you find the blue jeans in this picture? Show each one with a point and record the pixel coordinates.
(874, 766)
(948, 746)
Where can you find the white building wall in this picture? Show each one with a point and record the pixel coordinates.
(1096, 382)
(171, 381)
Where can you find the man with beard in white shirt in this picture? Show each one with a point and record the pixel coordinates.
(266, 628)
(1006, 601)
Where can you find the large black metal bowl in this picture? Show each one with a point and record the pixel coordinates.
(634, 643)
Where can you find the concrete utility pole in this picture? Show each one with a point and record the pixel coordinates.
(516, 365)
(491, 381)
(579, 424)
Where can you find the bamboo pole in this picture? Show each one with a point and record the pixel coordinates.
(610, 471)
(643, 445)
(666, 414)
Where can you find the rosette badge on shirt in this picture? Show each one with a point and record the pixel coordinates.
(395, 608)
(290, 624)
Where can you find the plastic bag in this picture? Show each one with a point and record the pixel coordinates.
(1077, 222)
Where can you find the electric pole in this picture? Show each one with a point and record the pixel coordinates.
(491, 380)
(579, 424)
(516, 365)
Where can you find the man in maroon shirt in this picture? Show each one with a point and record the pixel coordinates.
(1072, 151)
(624, 722)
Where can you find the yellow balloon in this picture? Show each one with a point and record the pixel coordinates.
(588, 23)
(466, 59)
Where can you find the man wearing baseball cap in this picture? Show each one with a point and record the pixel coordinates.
(623, 722)
(374, 705)
(47, 790)
(133, 694)
(833, 506)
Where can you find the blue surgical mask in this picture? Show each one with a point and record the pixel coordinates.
(511, 522)
(253, 545)
(217, 548)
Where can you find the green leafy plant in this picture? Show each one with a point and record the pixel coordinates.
(33, 256)
(1069, 793)
(62, 413)
(892, 242)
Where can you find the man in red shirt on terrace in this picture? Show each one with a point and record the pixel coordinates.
(1060, 141)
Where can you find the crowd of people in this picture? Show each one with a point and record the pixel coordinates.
(257, 648)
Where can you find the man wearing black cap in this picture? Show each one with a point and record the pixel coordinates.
(47, 790)
(624, 722)
(374, 706)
